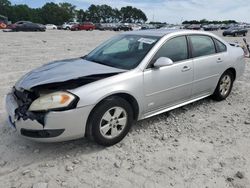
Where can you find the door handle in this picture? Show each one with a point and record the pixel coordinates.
(186, 68)
(219, 60)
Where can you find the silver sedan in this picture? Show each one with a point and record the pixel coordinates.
(132, 76)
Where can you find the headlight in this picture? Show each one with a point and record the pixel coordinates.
(53, 101)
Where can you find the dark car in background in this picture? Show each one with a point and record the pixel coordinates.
(211, 27)
(99, 26)
(193, 27)
(26, 26)
(225, 26)
(147, 26)
(88, 26)
(235, 31)
(122, 27)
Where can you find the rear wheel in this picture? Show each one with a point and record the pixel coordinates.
(110, 121)
(224, 86)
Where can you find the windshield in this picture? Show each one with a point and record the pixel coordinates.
(123, 51)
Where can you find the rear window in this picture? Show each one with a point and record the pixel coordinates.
(202, 45)
(220, 46)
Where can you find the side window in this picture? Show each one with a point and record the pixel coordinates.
(220, 46)
(202, 45)
(175, 49)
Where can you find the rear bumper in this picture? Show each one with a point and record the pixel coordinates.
(58, 126)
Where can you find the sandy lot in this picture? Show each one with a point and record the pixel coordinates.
(200, 145)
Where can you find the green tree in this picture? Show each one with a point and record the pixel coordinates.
(81, 15)
(93, 14)
(20, 12)
(130, 14)
(52, 13)
(5, 7)
(68, 11)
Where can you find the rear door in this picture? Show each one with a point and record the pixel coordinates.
(208, 64)
(170, 85)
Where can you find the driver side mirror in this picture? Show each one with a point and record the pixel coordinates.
(162, 62)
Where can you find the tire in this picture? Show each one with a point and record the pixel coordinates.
(104, 126)
(224, 86)
(224, 34)
(67, 28)
(244, 34)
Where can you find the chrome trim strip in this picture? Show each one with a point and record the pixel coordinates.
(148, 115)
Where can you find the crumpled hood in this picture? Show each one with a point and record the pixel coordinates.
(61, 71)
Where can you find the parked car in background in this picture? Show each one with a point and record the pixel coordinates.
(99, 26)
(211, 27)
(225, 26)
(59, 27)
(26, 26)
(68, 25)
(3, 22)
(194, 27)
(88, 26)
(3, 25)
(133, 76)
(122, 27)
(147, 26)
(51, 27)
(107, 26)
(235, 31)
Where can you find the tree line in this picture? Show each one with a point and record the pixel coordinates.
(62, 12)
(204, 21)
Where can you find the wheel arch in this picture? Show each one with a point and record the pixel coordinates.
(128, 97)
(233, 71)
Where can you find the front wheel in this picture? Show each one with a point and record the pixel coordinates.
(110, 121)
(224, 86)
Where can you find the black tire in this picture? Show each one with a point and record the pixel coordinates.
(244, 34)
(224, 34)
(217, 95)
(93, 131)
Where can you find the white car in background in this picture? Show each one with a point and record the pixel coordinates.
(51, 27)
(68, 26)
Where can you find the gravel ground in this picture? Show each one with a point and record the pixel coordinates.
(204, 144)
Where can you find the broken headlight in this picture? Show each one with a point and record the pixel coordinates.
(53, 101)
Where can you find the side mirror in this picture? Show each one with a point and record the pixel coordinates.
(162, 62)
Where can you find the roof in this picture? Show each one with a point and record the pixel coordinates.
(163, 32)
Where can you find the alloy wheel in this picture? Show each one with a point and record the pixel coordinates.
(113, 122)
(225, 85)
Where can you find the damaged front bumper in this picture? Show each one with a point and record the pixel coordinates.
(57, 125)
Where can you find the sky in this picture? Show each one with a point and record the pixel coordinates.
(170, 11)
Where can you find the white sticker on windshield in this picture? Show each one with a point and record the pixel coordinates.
(147, 40)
